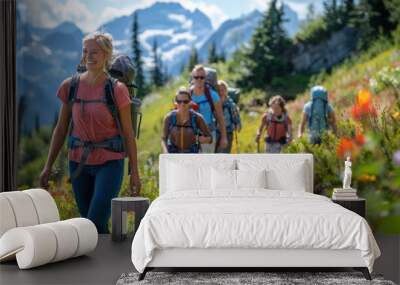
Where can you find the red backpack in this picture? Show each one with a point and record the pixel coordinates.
(275, 133)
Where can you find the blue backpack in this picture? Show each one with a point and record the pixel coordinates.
(318, 117)
(172, 148)
(231, 115)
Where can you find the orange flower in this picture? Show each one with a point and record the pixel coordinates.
(359, 138)
(367, 178)
(356, 112)
(364, 106)
(345, 148)
(363, 97)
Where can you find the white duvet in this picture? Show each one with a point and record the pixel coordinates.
(256, 218)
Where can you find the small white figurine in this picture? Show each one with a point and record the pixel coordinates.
(347, 174)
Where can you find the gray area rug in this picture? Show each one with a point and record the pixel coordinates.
(243, 278)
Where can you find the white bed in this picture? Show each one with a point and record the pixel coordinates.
(202, 220)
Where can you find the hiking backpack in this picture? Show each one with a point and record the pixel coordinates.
(212, 78)
(229, 106)
(272, 123)
(122, 70)
(173, 122)
(234, 93)
(318, 117)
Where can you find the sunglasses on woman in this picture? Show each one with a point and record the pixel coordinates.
(199, 77)
(182, 101)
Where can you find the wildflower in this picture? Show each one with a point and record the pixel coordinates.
(396, 115)
(396, 158)
(367, 178)
(359, 138)
(363, 106)
(363, 97)
(356, 112)
(373, 83)
(345, 148)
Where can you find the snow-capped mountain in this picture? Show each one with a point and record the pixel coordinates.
(175, 29)
(232, 34)
(237, 32)
(44, 58)
(292, 23)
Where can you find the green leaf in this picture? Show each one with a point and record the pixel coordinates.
(389, 225)
(370, 168)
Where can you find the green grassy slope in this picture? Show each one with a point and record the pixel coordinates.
(343, 85)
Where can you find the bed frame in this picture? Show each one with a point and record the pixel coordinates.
(246, 259)
(249, 258)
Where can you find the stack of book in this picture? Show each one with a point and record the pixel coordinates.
(344, 194)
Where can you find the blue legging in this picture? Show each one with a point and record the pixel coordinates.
(94, 188)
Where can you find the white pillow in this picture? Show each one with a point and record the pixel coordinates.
(183, 177)
(195, 174)
(280, 180)
(251, 178)
(223, 179)
(282, 174)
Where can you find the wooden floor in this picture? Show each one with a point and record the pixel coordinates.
(110, 259)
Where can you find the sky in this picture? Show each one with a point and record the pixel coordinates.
(90, 14)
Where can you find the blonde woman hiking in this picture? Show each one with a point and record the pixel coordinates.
(101, 133)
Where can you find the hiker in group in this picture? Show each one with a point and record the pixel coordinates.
(184, 129)
(318, 114)
(210, 107)
(278, 125)
(231, 116)
(100, 135)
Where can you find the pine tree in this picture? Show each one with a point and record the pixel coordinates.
(137, 58)
(349, 5)
(156, 72)
(310, 13)
(348, 11)
(212, 53)
(310, 17)
(266, 58)
(332, 15)
(193, 59)
(222, 56)
(394, 8)
(373, 20)
(166, 76)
